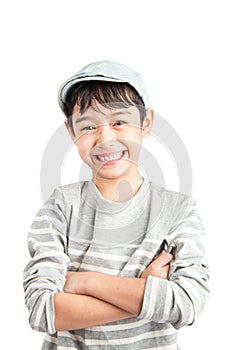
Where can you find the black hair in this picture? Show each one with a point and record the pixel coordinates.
(111, 94)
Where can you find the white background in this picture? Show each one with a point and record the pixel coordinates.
(184, 51)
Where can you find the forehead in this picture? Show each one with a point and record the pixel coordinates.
(106, 110)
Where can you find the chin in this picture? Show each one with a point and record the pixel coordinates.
(110, 174)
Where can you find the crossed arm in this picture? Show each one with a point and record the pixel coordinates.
(93, 298)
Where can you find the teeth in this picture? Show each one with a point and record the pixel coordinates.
(112, 156)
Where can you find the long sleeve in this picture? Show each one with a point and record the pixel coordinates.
(180, 299)
(45, 274)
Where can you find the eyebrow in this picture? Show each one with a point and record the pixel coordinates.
(118, 112)
(81, 119)
(121, 111)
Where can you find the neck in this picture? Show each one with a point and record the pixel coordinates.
(119, 190)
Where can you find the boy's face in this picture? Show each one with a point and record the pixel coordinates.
(109, 139)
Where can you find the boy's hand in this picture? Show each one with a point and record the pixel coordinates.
(76, 282)
(159, 267)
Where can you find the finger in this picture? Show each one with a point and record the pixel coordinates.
(163, 258)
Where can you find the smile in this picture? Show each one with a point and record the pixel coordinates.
(110, 158)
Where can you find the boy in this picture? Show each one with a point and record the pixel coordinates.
(116, 261)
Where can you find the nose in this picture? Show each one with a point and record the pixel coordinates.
(106, 136)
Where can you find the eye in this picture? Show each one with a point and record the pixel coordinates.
(88, 128)
(119, 123)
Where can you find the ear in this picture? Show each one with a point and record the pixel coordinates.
(69, 129)
(148, 122)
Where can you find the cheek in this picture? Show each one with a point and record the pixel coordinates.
(133, 140)
(83, 149)
(134, 149)
(84, 155)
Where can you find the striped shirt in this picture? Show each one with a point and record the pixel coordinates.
(78, 230)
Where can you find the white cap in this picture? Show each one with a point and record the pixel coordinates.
(104, 71)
